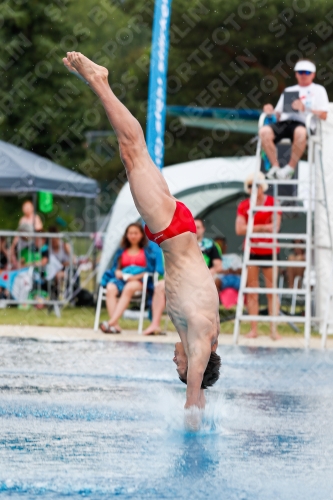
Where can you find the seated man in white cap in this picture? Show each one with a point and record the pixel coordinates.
(312, 99)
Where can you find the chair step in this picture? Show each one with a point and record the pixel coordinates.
(279, 263)
(275, 319)
(287, 182)
(298, 199)
(277, 245)
(282, 236)
(278, 208)
(284, 291)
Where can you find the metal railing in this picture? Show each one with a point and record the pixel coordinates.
(32, 271)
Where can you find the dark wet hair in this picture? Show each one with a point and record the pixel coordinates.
(142, 243)
(212, 372)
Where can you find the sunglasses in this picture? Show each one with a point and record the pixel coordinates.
(303, 72)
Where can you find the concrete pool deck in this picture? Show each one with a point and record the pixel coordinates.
(56, 334)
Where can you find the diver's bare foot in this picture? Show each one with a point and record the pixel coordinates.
(251, 335)
(152, 329)
(275, 336)
(82, 66)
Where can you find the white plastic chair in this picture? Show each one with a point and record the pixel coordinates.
(137, 296)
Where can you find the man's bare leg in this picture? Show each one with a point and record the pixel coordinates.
(150, 191)
(158, 306)
(272, 308)
(298, 146)
(252, 299)
(267, 140)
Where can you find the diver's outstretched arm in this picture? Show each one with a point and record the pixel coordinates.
(198, 357)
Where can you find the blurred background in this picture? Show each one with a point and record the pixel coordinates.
(251, 45)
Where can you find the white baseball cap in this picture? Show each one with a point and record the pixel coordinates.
(250, 178)
(305, 66)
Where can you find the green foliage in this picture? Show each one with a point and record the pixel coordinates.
(47, 110)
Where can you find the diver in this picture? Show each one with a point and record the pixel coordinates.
(191, 295)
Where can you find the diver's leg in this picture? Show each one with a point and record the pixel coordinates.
(150, 191)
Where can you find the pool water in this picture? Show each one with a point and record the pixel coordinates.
(105, 420)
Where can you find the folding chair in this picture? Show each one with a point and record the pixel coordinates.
(141, 296)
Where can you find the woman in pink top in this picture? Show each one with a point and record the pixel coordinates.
(131, 253)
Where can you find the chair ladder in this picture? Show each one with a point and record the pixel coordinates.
(314, 142)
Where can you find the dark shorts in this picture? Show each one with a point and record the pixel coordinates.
(285, 130)
(255, 256)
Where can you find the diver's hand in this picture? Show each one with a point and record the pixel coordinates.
(193, 417)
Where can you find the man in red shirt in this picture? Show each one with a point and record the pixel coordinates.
(263, 223)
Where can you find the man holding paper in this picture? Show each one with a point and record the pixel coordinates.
(291, 111)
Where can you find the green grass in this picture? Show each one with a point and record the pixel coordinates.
(74, 317)
(83, 317)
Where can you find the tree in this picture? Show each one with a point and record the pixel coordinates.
(238, 55)
(222, 54)
(38, 102)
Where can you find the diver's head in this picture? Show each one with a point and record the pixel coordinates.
(180, 359)
(212, 372)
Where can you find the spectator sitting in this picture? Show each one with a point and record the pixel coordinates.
(212, 257)
(294, 272)
(130, 263)
(263, 223)
(4, 260)
(210, 250)
(4, 254)
(312, 99)
(61, 250)
(231, 267)
(157, 308)
(35, 253)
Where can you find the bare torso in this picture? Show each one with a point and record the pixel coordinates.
(192, 300)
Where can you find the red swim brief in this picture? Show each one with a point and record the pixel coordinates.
(182, 221)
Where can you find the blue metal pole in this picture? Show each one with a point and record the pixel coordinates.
(158, 81)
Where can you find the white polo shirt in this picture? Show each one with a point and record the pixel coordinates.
(313, 96)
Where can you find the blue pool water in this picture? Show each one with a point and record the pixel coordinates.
(104, 420)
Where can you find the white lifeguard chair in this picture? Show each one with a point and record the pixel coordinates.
(314, 204)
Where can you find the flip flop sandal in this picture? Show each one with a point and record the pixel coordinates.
(106, 328)
(156, 333)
